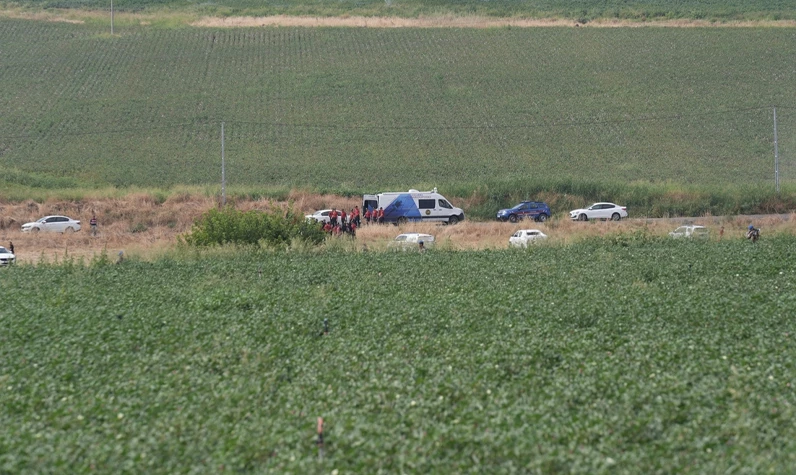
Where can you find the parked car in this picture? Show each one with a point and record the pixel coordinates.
(59, 224)
(599, 211)
(6, 258)
(690, 231)
(411, 241)
(321, 216)
(536, 210)
(523, 237)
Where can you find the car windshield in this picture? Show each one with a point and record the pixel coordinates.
(402, 237)
(41, 220)
(3, 250)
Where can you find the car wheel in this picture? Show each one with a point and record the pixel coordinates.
(453, 220)
(542, 218)
(583, 217)
(402, 220)
(69, 230)
(34, 230)
(513, 218)
(615, 217)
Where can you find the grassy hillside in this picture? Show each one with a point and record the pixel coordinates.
(627, 355)
(582, 10)
(356, 110)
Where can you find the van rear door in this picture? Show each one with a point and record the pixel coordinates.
(370, 201)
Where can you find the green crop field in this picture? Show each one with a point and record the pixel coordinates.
(623, 355)
(365, 109)
(577, 9)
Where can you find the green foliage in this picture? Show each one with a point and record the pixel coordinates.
(597, 357)
(271, 228)
(583, 112)
(581, 10)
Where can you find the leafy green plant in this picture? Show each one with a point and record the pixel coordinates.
(595, 357)
(231, 226)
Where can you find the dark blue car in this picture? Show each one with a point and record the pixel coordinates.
(536, 210)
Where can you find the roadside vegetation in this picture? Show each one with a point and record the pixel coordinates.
(617, 354)
(272, 227)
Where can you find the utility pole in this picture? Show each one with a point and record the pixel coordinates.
(223, 170)
(776, 152)
(111, 17)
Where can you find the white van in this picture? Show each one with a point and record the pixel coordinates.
(413, 205)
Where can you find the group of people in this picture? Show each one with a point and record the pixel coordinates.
(341, 222)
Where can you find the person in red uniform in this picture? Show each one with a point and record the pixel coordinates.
(333, 217)
(355, 215)
(342, 217)
(381, 215)
(368, 214)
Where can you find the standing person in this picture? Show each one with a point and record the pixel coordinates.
(93, 223)
(333, 217)
(342, 217)
(368, 214)
(381, 215)
(355, 213)
(11, 246)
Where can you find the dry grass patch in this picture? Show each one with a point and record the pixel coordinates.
(147, 225)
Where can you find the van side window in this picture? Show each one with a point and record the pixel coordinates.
(425, 204)
(445, 204)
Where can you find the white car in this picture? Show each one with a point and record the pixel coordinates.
(599, 211)
(412, 240)
(6, 258)
(690, 231)
(523, 237)
(321, 216)
(59, 224)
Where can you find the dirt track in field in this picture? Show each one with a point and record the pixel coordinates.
(454, 21)
(437, 21)
(139, 225)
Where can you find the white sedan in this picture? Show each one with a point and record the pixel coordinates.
(321, 216)
(523, 237)
(599, 211)
(6, 258)
(59, 224)
(411, 241)
(690, 231)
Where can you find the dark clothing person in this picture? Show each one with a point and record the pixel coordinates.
(11, 247)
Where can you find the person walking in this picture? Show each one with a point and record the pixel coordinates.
(11, 246)
(368, 214)
(93, 223)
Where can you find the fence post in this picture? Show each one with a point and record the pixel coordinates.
(776, 152)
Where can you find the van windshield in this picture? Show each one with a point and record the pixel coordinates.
(445, 204)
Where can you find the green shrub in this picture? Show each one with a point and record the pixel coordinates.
(251, 227)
